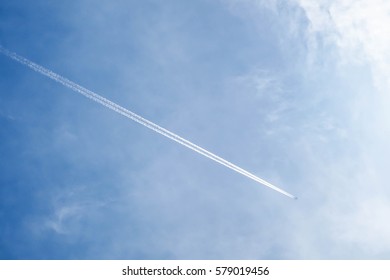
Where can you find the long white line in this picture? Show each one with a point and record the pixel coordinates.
(133, 116)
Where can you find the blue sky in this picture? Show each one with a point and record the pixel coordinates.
(295, 92)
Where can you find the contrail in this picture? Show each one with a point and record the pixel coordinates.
(133, 116)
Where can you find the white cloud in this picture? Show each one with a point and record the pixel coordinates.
(352, 34)
(63, 216)
(335, 131)
(359, 30)
(69, 212)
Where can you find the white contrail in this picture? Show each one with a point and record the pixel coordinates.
(133, 116)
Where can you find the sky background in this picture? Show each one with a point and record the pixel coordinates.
(295, 91)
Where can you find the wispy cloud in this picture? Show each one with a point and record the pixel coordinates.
(332, 123)
(358, 30)
(351, 35)
(64, 218)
